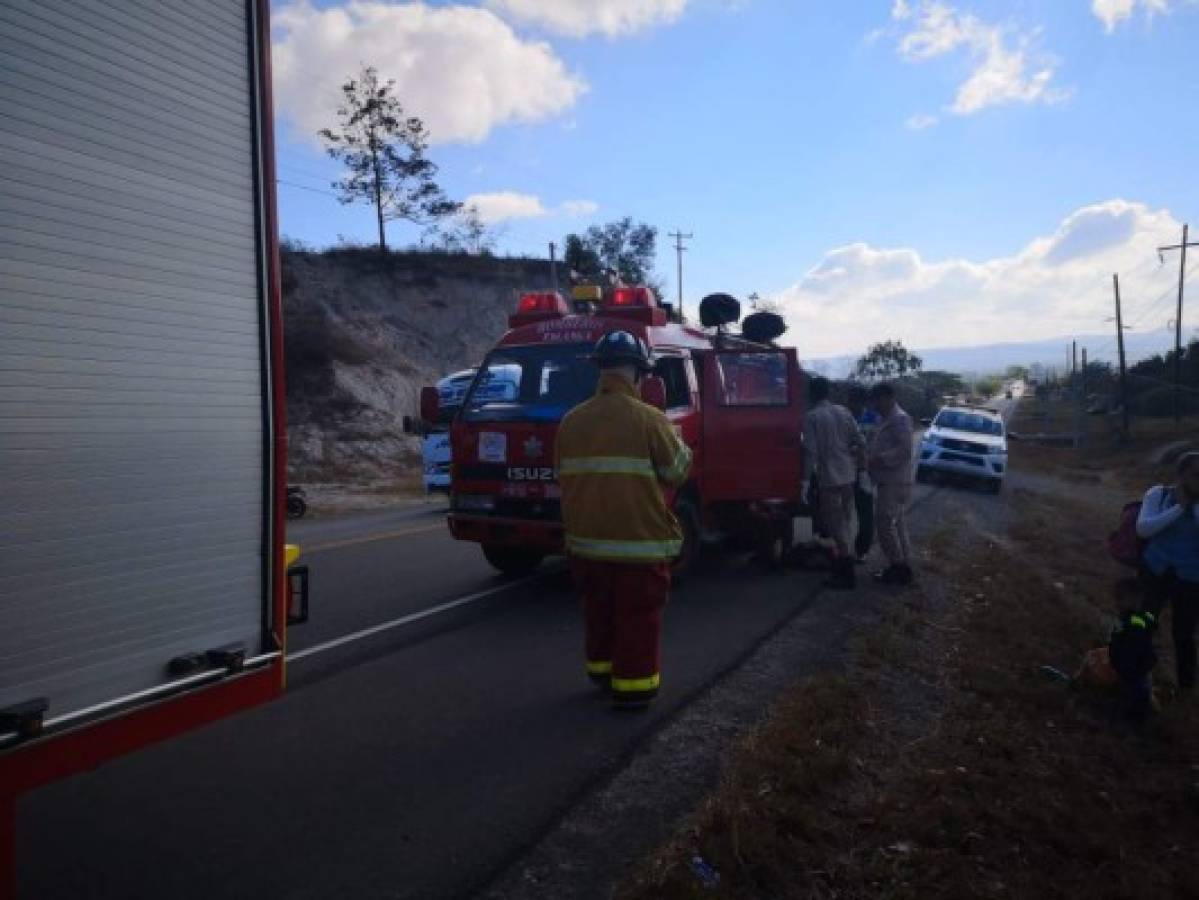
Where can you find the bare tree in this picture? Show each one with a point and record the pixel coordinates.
(384, 154)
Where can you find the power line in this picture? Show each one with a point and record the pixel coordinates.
(304, 173)
(304, 187)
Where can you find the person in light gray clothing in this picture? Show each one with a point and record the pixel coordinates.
(833, 451)
(890, 467)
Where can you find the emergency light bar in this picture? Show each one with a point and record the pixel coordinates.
(542, 303)
(636, 303)
(538, 307)
(634, 297)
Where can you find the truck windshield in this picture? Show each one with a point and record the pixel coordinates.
(966, 421)
(450, 393)
(539, 383)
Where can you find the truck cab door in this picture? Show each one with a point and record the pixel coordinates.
(752, 412)
(677, 371)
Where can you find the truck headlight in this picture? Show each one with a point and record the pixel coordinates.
(996, 450)
(474, 502)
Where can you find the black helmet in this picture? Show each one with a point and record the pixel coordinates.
(619, 348)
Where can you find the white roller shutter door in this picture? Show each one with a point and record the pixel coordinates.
(133, 481)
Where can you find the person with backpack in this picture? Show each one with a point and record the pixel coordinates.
(1168, 522)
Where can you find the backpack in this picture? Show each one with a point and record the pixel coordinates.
(1124, 545)
(1130, 648)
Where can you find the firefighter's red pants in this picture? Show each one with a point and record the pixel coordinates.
(622, 615)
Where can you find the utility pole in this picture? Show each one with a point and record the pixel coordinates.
(679, 236)
(1123, 367)
(553, 268)
(1075, 394)
(1182, 273)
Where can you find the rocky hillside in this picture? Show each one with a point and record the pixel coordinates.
(364, 331)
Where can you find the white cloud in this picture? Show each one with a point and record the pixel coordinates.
(1058, 284)
(1112, 12)
(500, 206)
(460, 68)
(579, 18)
(579, 209)
(920, 122)
(1005, 67)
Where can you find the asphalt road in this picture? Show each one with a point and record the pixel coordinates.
(413, 762)
(437, 722)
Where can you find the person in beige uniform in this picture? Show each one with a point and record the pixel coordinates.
(833, 450)
(890, 467)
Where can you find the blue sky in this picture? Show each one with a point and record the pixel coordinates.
(797, 141)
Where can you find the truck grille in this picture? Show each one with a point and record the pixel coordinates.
(962, 458)
(963, 446)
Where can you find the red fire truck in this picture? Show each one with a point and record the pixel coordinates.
(143, 580)
(737, 403)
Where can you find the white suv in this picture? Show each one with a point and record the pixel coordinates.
(965, 440)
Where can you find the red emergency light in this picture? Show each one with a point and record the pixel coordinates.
(636, 303)
(635, 297)
(543, 303)
(539, 306)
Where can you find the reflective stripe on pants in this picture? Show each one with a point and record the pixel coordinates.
(622, 615)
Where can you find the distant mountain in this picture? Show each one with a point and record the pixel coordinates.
(986, 359)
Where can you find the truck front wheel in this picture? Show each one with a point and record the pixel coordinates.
(512, 562)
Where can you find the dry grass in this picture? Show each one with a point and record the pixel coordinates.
(946, 765)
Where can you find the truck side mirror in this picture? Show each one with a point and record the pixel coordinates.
(653, 391)
(430, 405)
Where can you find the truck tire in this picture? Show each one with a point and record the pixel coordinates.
(296, 507)
(512, 562)
(688, 516)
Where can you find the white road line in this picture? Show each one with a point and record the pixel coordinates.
(409, 619)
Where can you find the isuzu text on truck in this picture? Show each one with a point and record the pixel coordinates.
(737, 403)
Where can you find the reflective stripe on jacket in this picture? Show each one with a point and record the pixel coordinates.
(613, 454)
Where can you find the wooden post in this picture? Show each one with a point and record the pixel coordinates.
(1123, 365)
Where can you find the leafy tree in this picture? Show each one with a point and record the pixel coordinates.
(582, 261)
(887, 360)
(1016, 373)
(623, 250)
(384, 154)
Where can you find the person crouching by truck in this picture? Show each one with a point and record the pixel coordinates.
(613, 455)
(1169, 574)
(890, 468)
(833, 452)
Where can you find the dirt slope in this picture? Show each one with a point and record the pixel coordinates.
(365, 331)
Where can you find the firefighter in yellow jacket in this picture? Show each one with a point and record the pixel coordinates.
(613, 455)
